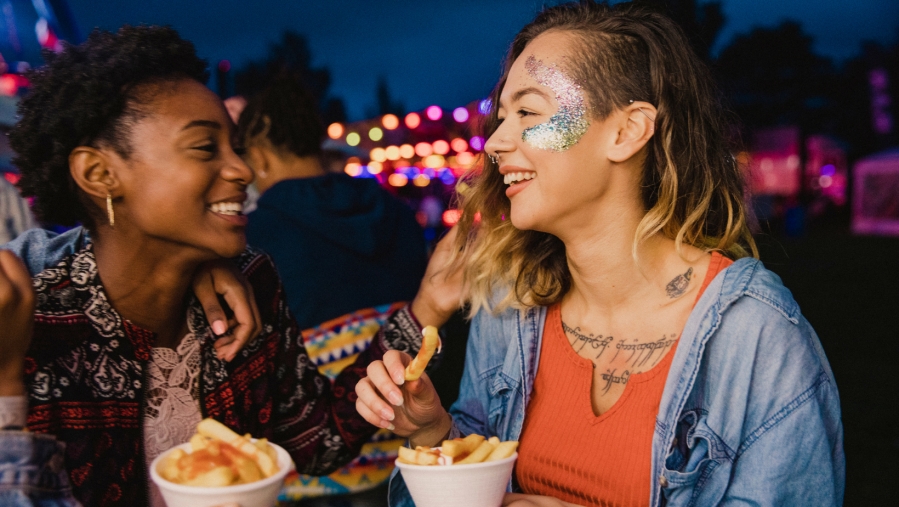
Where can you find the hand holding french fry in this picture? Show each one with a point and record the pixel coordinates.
(408, 408)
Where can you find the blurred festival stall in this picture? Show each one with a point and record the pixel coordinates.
(419, 157)
(27, 27)
(876, 194)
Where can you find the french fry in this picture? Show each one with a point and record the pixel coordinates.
(493, 440)
(218, 476)
(461, 446)
(429, 342)
(479, 454)
(503, 450)
(419, 456)
(214, 429)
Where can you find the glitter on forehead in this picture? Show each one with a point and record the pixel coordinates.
(565, 128)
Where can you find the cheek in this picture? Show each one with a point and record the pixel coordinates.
(563, 130)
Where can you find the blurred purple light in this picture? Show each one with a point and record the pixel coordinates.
(460, 114)
(828, 170)
(434, 113)
(476, 143)
(484, 106)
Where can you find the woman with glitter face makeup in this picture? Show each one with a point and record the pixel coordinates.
(623, 329)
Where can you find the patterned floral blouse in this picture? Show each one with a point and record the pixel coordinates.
(87, 369)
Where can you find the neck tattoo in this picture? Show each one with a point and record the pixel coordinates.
(679, 284)
(565, 128)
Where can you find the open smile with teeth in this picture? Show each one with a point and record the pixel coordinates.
(227, 208)
(513, 178)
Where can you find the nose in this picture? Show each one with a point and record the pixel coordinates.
(500, 142)
(237, 170)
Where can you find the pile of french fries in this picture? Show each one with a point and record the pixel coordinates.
(460, 451)
(219, 457)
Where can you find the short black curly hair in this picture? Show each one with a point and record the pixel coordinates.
(285, 114)
(87, 95)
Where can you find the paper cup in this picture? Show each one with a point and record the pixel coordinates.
(474, 485)
(263, 493)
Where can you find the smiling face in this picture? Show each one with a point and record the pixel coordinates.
(551, 151)
(182, 184)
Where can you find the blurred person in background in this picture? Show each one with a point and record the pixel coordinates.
(107, 349)
(15, 216)
(624, 330)
(340, 243)
(349, 253)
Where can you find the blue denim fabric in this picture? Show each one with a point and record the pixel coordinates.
(750, 413)
(40, 249)
(32, 471)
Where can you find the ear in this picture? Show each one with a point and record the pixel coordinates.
(637, 126)
(257, 158)
(94, 171)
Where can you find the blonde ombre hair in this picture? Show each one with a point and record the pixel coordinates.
(692, 188)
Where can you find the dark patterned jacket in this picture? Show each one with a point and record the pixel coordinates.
(85, 372)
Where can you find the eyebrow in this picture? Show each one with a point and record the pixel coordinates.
(203, 123)
(525, 91)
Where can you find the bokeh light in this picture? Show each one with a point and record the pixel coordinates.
(413, 121)
(378, 155)
(434, 113)
(375, 134)
(422, 180)
(353, 169)
(459, 145)
(423, 149)
(375, 167)
(390, 121)
(441, 147)
(397, 180)
(465, 159)
(460, 114)
(392, 152)
(476, 143)
(484, 106)
(434, 161)
(353, 139)
(451, 217)
(407, 151)
(335, 130)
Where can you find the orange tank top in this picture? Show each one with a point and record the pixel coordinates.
(571, 454)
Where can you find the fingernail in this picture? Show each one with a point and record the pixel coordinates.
(400, 380)
(388, 425)
(395, 398)
(218, 327)
(387, 414)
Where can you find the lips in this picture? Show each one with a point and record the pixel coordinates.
(230, 210)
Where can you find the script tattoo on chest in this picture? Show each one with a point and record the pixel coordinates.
(679, 284)
(596, 342)
(642, 353)
(610, 378)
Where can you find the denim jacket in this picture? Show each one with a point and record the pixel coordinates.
(750, 413)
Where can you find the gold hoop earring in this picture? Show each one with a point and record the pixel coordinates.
(110, 213)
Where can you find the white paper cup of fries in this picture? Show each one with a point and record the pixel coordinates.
(479, 484)
(260, 493)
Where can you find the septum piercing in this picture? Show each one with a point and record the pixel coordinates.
(493, 158)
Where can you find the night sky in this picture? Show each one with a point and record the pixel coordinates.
(437, 52)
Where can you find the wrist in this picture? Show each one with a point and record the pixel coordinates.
(428, 313)
(433, 435)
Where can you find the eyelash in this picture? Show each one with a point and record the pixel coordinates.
(521, 114)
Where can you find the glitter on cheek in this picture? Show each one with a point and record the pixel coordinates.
(565, 128)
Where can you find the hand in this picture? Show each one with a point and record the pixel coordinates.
(221, 277)
(520, 500)
(17, 316)
(414, 409)
(443, 289)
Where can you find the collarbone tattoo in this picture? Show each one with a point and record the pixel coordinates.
(640, 353)
(678, 286)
